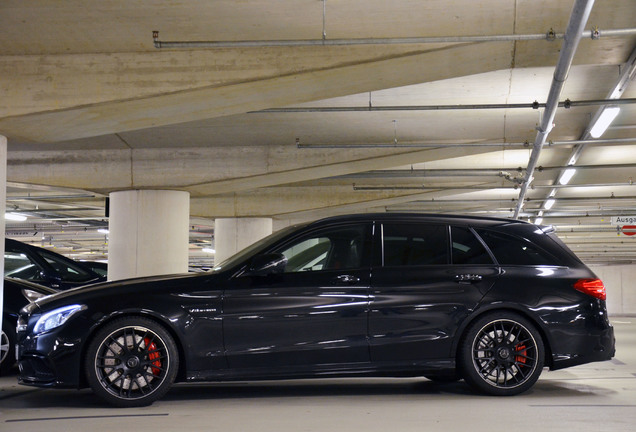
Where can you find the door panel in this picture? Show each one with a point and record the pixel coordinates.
(416, 311)
(315, 313)
(419, 297)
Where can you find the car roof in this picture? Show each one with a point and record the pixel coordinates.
(422, 217)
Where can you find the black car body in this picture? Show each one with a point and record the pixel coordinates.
(45, 267)
(488, 300)
(17, 294)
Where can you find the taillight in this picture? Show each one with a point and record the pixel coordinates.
(593, 287)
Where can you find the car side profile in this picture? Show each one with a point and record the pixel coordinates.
(491, 301)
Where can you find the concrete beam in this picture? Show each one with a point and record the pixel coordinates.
(207, 171)
(201, 101)
(308, 202)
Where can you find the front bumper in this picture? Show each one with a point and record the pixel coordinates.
(51, 359)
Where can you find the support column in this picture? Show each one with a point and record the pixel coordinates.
(231, 235)
(149, 233)
(3, 204)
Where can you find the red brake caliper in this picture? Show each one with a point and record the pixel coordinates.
(521, 349)
(153, 354)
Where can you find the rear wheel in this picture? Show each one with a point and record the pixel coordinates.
(501, 354)
(131, 362)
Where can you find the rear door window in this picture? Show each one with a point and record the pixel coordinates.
(413, 244)
(467, 249)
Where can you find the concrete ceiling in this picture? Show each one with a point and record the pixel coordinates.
(91, 106)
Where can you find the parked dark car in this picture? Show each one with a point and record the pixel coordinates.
(488, 300)
(45, 267)
(17, 294)
(101, 268)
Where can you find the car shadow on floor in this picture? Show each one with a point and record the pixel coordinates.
(17, 397)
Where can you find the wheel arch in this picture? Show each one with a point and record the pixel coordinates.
(157, 318)
(487, 309)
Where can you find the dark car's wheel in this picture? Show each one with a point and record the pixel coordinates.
(131, 362)
(7, 348)
(501, 354)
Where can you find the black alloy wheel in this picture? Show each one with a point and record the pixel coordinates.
(502, 354)
(131, 362)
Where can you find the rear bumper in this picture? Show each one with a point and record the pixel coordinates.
(585, 347)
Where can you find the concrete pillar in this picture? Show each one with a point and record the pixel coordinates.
(149, 233)
(231, 235)
(3, 204)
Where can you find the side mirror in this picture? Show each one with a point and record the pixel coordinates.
(267, 264)
(52, 279)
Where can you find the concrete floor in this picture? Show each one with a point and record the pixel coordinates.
(598, 396)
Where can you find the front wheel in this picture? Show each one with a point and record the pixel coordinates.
(501, 354)
(131, 362)
(7, 348)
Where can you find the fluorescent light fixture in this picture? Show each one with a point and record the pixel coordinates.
(538, 221)
(567, 176)
(103, 231)
(16, 217)
(604, 120)
(549, 203)
(208, 250)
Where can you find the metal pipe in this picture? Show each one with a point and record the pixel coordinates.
(627, 71)
(578, 19)
(476, 144)
(404, 173)
(370, 108)
(488, 200)
(485, 187)
(548, 36)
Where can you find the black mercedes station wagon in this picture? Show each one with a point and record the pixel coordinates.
(490, 301)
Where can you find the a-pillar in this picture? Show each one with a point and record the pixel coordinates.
(232, 235)
(149, 233)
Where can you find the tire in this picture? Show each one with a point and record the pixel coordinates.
(501, 354)
(7, 348)
(131, 362)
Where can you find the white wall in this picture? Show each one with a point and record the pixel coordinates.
(620, 283)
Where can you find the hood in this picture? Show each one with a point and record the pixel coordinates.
(123, 287)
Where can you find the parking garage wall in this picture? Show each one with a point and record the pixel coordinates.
(620, 283)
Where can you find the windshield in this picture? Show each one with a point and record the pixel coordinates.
(253, 249)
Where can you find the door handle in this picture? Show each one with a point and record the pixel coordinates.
(468, 278)
(347, 279)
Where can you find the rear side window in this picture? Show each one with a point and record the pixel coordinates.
(467, 249)
(412, 244)
(509, 250)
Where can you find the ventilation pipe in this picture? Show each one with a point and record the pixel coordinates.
(578, 19)
(549, 36)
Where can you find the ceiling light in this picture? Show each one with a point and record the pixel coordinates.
(549, 203)
(16, 217)
(208, 250)
(103, 231)
(567, 176)
(538, 221)
(604, 120)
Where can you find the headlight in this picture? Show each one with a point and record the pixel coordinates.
(56, 318)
